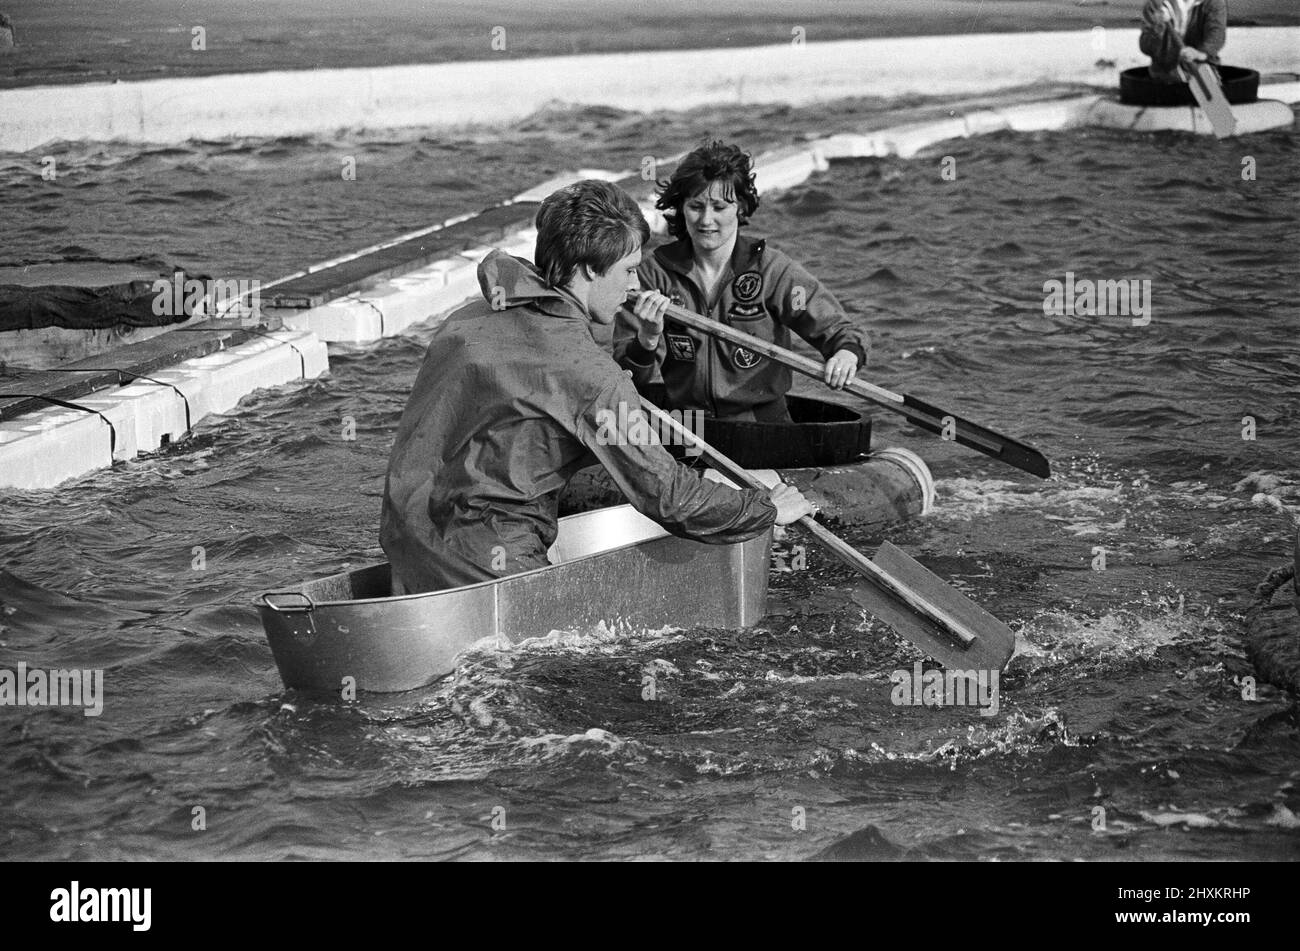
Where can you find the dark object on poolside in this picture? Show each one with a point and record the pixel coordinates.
(84, 295)
(1273, 626)
(612, 567)
(7, 40)
(1137, 88)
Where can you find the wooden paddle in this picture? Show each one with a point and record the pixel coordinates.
(902, 592)
(930, 418)
(1208, 91)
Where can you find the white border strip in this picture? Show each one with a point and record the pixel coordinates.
(38, 450)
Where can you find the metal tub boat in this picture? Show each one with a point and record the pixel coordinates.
(611, 565)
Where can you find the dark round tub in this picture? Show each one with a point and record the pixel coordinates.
(1137, 88)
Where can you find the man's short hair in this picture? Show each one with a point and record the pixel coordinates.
(714, 162)
(589, 222)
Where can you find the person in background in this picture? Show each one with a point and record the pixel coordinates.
(514, 396)
(745, 283)
(1178, 33)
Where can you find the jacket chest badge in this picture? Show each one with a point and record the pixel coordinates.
(681, 347)
(745, 358)
(747, 288)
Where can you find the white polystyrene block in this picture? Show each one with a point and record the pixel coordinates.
(775, 172)
(45, 448)
(294, 319)
(345, 320)
(478, 252)
(520, 246)
(454, 269)
(462, 281)
(654, 218)
(143, 414)
(984, 121)
(451, 297)
(414, 298)
(849, 146)
(1288, 92)
(424, 278)
(316, 358)
(41, 449)
(906, 141)
(1047, 116)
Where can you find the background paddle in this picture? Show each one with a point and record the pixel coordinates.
(930, 418)
(1208, 91)
(902, 592)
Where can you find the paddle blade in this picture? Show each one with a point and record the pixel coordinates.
(994, 642)
(975, 436)
(1205, 86)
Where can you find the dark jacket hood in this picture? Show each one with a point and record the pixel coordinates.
(522, 285)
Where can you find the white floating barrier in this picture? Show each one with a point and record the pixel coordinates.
(786, 168)
(1251, 117)
(41, 449)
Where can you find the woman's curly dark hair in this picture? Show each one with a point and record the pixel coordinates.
(715, 162)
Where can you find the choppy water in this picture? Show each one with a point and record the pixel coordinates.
(1123, 694)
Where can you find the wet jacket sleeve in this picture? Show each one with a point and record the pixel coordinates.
(1158, 38)
(801, 303)
(628, 352)
(657, 486)
(1214, 28)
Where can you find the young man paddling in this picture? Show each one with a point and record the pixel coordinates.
(515, 396)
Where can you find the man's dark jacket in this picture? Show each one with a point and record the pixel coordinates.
(508, 404)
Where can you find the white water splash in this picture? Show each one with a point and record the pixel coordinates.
(774, 677)
(1115, 633)
(961, 499)
(1189, 820)
(1275, 490)
(602, 638)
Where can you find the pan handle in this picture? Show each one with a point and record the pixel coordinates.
(309, 604)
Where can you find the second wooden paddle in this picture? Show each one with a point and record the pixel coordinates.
(930, 418)
(1208, 91)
